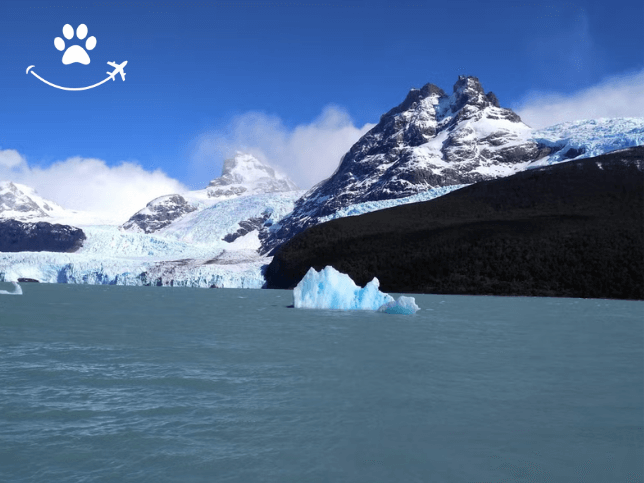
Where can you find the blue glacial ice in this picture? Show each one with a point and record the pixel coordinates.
(404, 306)
(330, 289)
(588, 138)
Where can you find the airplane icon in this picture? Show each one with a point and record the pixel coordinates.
(118, 69)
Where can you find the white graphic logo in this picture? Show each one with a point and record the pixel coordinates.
(77, 54)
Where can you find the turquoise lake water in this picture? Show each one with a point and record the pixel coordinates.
(152, 384)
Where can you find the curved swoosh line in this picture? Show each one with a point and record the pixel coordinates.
(71, 88)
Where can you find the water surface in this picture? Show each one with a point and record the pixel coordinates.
(117, 384)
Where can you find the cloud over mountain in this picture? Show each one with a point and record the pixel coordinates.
(89, 184)
(619, 96)
(308, 153)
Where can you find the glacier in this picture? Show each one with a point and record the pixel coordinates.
(588, 138)
(370, 206)
(189, 252)
(330, 289)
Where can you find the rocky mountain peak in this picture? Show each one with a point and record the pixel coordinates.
(468, 91)
(468, 83)
(21, 202)
(242, 168)
(415, 96)
(245, 174)
(159, 213)
(430, 140)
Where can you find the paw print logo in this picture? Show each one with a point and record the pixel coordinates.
(75, 53)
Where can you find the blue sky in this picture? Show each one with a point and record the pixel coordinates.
(205, 78)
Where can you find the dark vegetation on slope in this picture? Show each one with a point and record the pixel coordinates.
(574, 229)
(16, 236)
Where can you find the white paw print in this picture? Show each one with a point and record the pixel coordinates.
(75, 53)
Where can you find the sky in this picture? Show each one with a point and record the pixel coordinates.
(295, 83)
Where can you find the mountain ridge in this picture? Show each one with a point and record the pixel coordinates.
(430, 140)
(572, 229)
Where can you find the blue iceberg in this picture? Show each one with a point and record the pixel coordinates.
(404, 305)
(330, 289)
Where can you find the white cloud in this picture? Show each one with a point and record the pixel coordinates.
(307, 153)
(10, 158)
(621, 96)
(86, 184)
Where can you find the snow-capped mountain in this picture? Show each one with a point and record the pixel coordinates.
(430, 140)
(435, 140)
(22, 203)
(244, 174)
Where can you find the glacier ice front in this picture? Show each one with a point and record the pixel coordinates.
(330, 289)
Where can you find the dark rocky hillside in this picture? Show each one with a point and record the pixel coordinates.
(572, 230)
(16, 236)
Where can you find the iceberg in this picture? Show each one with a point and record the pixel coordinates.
(330, 289)
(16, 291)
(404, 305)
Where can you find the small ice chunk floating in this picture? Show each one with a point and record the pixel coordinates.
(404, 305)
(16, 291)
(330, 289)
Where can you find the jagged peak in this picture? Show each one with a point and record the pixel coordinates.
(467, 91)
(467, 82)
(416, 95)
(245, 174)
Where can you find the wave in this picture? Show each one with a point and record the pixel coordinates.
(17, 290)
